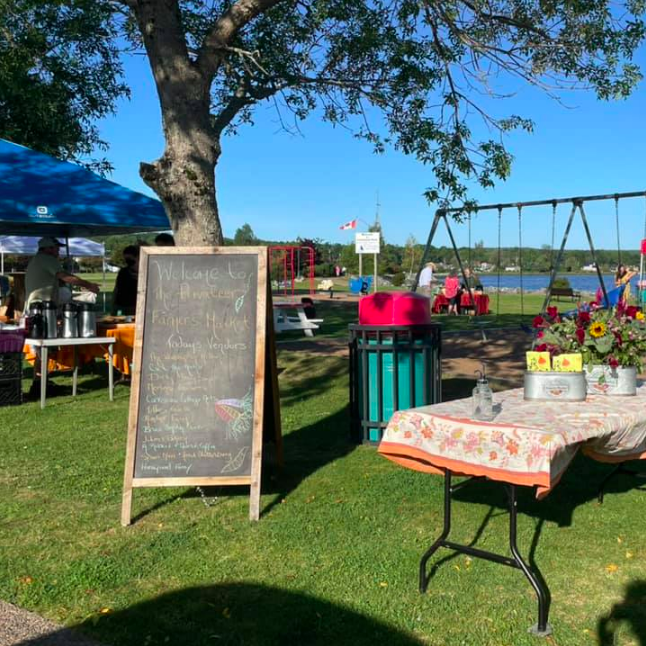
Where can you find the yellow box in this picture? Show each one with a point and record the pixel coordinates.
(538, 361)
(567, 363)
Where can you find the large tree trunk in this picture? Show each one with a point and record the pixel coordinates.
(184, 180)
(184, 177)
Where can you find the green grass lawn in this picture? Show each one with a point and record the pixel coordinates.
(338, 314)
(333, 559)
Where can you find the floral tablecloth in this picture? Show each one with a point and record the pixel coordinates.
(528, 443)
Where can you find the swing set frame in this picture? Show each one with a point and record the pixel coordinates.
(577, 205)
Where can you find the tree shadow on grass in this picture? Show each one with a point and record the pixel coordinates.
(303, 375)
(236, 614)
(307, 450)
(629, 614)
(579, 486)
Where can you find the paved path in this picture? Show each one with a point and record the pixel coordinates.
(21, 628)
(462, 353)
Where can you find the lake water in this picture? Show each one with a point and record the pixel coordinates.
(537, 283)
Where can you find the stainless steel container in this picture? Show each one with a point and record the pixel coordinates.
(35, 320)
(70, 327)
(50, 312)
(604, 380)
(555, 386)
(86, 320)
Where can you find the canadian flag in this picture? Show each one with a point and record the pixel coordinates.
(349, 225)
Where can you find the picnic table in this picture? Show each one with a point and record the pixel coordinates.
(291, 316)
(528, 443)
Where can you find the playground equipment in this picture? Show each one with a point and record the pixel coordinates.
(577, 206)
(289, 264)
(641, 285)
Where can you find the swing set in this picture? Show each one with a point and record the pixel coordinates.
(577, 204)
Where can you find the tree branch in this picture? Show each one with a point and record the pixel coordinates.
(240, 14)
(243, 97)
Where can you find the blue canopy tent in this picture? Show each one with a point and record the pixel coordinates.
(41, 195)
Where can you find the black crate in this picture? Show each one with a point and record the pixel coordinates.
(10, 392)
(10, 365)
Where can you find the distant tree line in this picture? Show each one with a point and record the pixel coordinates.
(393, 260)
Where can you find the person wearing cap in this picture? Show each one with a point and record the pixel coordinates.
(44, 272)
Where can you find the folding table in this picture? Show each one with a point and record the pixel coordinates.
(46, 344)
(529, 443)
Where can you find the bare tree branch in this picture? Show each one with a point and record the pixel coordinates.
(228, 25)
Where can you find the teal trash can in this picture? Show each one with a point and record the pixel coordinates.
(392, 367)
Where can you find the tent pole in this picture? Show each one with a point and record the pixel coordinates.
(103, 279)
(69, 268)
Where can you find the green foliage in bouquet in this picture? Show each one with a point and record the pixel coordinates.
(615, 337)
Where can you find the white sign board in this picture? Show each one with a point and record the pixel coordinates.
(367, 242)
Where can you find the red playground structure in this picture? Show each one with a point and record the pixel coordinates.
(289, 265)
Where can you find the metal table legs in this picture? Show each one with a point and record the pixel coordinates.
(618, 470)
(111, 371)
(542, 628)
(44, 364)
(75, 374)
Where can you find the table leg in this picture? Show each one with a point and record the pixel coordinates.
(305, 321)
(44, 359)
(277, 321)
(542, 628)
(618, 470)
(423, 577)
(75, 373)
(111, 371)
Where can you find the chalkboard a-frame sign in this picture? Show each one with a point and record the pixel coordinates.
(200, 359)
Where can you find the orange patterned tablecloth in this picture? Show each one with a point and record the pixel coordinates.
(123, 347)
(63, 357)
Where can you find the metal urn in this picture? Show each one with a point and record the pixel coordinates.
(70, 327)
(50, 319)
(86, 320)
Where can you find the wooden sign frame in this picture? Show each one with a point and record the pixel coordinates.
(264, 362)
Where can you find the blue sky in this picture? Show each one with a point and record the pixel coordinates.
(307, 185)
